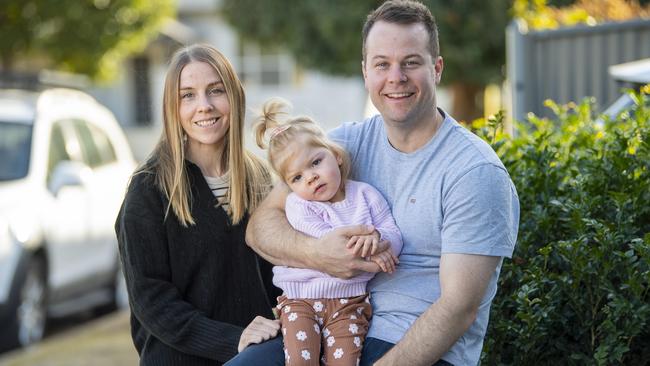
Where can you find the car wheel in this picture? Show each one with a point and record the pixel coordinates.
(32, 312)
(28, 307)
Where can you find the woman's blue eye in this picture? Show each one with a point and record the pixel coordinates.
(216, 91)
(316, 162)
(186, 95)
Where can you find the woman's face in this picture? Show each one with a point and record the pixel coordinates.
(203, 105)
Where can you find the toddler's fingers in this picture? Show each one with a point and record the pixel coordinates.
(373, 249)
(352, 241)
(364, 252)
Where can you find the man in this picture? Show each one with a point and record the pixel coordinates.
(451, 197)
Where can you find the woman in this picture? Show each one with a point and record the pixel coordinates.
(193, 282)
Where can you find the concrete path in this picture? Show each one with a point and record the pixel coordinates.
(102, 342)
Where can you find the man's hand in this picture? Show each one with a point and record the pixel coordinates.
(329, 254)
(364, 245)
(259, 330)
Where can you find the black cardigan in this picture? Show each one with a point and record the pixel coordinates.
(191, 289)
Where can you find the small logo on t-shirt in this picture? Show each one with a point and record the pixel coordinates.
(412, 200)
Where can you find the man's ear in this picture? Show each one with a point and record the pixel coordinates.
(438, 65)
(363, 69)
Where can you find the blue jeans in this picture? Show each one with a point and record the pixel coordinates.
(271, 353)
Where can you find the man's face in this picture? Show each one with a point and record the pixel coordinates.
(399, 73)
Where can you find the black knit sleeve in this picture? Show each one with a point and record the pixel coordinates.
(154, 300)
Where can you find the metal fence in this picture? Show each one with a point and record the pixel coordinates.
(569, 64)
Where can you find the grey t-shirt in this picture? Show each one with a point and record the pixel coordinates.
(453, 195)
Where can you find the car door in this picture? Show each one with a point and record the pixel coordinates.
(104, 198)
(66, 214)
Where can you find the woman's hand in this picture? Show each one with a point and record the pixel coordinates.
(259, 330)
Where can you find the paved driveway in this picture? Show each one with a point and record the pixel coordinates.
(102, 342)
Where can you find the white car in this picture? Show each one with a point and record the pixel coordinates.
(631, 75)
(64, 166)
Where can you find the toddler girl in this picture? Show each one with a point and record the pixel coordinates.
(317, 309)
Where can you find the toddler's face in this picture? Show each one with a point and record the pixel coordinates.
(313, 173)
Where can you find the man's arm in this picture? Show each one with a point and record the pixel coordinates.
(463, 281)
(271, 236)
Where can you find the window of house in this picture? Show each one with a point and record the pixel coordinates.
(142, 87)
(267, 67)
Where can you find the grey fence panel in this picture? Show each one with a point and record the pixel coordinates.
(570, 64)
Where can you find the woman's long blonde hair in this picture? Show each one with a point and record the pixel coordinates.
(275, 129)
(249, 179)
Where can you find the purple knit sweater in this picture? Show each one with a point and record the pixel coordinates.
(363, 204)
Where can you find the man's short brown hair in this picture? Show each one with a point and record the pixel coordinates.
(403, 12)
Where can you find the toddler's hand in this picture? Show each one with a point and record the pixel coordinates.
(364, 245)
(385, 260)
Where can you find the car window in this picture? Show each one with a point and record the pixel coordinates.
(58, 151)
(96, 147)
(15, 149)
(104, 145)
(89, 150)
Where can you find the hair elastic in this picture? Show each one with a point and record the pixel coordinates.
(278, 130)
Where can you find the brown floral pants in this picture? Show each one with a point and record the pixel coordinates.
(337, 327)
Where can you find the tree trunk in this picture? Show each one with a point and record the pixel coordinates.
(7, 61)
(466, 104)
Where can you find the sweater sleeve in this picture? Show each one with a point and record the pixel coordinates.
(383, 219)
(154, 300)
(305, 217)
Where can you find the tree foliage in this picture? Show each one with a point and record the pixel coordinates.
(327, 35)
(324, 36)
(89, 37)
(542, 14)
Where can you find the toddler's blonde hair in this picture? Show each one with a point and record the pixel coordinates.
(275, 129)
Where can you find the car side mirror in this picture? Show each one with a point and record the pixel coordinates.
(67, 174)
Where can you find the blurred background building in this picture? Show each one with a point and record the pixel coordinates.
(135, 95)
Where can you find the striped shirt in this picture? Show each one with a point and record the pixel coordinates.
(219, 187)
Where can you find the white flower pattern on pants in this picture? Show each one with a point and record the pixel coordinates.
(338, 329)
(318, 306)
(305, 354)
(330, 341)
(301, 335)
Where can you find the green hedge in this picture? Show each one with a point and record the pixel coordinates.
(576, 289)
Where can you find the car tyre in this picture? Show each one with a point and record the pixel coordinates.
(28, 307)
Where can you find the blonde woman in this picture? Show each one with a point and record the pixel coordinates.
(193, 282)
